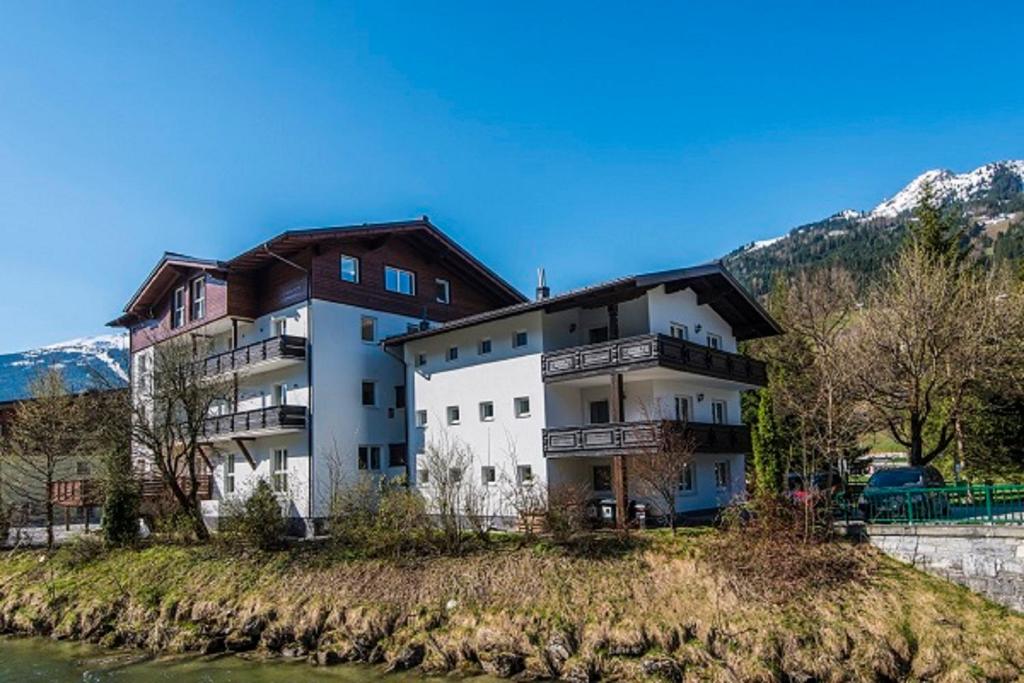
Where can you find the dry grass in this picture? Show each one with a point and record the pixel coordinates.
(608, 609)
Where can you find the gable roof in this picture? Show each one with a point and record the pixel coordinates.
(712, 282)
(421, 231)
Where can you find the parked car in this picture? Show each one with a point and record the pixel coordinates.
(882, 500)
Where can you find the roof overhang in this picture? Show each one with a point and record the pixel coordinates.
(165, 273)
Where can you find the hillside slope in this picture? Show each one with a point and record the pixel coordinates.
(87, 363)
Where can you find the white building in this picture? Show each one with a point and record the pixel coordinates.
(562, 389)
(297, 324)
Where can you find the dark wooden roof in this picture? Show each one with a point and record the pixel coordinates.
(713, 284)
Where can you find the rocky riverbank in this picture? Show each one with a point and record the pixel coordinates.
(656, 609)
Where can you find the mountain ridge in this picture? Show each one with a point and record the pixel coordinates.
(87, 362)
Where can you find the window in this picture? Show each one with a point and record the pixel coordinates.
(452, 354)
(486, 411)
(198, 298)
(280, 394)
(400, 397)
(454, 474)
(723, 480)
(678, 330)
(423, 476)
(522, 406)
(279, 470)
(229, 473)
(488, 475)
(400, 281)
(484, 347)
(178, 308)
(349, 268)
(714, 341)
(682, 406)
(520, 339)
(599, 412)
(598, 334)
(83, 469)
(369, 458)
(369, 393)
(524, 474)
(686, 479)
(368, 329)
(280, 326)
(602, 477)
(718, 412)
(453, 415)
(442, 291)
(421, 418)
(421, 359)
(397, 455)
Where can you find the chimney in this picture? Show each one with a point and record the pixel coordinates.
(543, 292)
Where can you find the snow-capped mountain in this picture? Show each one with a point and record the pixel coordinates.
(991, 196)
(88, 362)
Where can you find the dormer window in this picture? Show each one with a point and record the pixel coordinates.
(178, 308)
(349, 268)
(399, 281)
(198, 299)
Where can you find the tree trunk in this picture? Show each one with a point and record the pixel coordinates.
(49, 520)
(916, 441)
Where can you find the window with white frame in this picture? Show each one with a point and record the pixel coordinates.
(683, 408)
(178, 308)
(368, 329)
(442, 291)
(488, 475)
(421, 418)
(280, 395)
(452, 353)
(198, 298)
(399, 281)
(522, 406)
(280, 326)
(524, 474)
(718, 412)
(678, 330)
(453, 414)
(486, 411)
(369, 458)
(484, 347)
(423, 476)
(519, 339)
(369, 393)
(349, 268)
(686, 480)
(229, 473)
(279, 470)
(714, 341)
(454, 475)
(723, 475)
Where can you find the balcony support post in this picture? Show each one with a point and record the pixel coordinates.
(620, 484)
(613, 321)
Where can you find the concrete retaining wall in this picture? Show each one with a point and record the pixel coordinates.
(988, 560)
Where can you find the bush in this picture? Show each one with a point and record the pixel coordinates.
(120, 502)
(565, 515)
(80, 551)
(257, 520)
(381, 518)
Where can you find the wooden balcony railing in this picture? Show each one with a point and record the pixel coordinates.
(632, 437)
(652, 350)
(152, 487)
(75, 493)
(283, 347)
(274, 418)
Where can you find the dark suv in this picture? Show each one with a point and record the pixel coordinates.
(882, 500)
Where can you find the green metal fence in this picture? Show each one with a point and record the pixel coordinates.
(964, 504)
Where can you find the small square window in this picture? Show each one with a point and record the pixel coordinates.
(454, 475)
(453, 353)
(443, 291)
(369, 393)
(421, 418)
(397, 455)
(368, 329)
(399, 281)
(487, 411)
(488, 475)
(423, 476)
(484, 347)
(421, 359)
(520, 339)
(678, 330)
(524, 474)
(349, 268)
(522, 406)
(714, 341)
(453, 415)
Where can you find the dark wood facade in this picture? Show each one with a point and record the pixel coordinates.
(602, 440)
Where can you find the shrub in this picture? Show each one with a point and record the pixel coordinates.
(565, 515)
(120, 502)
(256, 521)
(381, 517)
(81, 550)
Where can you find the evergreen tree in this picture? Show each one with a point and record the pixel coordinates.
(121, 500)
(766, 441)
(938, 231)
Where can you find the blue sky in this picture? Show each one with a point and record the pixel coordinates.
(594, 139)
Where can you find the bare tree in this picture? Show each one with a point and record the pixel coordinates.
(522, 492)
(931, 334)
(170, 408)
(47, 436)
(660, 468)
(449, 486)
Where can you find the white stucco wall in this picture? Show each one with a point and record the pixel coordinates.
(682, 307)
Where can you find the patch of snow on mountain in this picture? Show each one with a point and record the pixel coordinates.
(848, 214)
(761, 244)
(945, 185)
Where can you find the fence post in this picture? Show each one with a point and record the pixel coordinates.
(988, 502)
(910, 509)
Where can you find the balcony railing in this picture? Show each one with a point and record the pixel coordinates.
(652, 350)
(255, 422)
(283, 347)
(633, 437)
(74, 493)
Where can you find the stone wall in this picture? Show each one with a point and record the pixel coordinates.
(988, 560)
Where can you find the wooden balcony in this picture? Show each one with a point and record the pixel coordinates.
(253, 423)
(152, 487)
(76, 493)
(601, 440)
(651, 350)
(260, 355)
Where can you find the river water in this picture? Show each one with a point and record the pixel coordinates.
(38, 659)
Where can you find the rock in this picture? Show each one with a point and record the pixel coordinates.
(410, 657)
(328, 658)
(578, 673)
(253, 627)
(276, 637)
(557, 652)
(663, 668)
(503, 664)
(237, 641)
(213, 646)
(293, 650)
